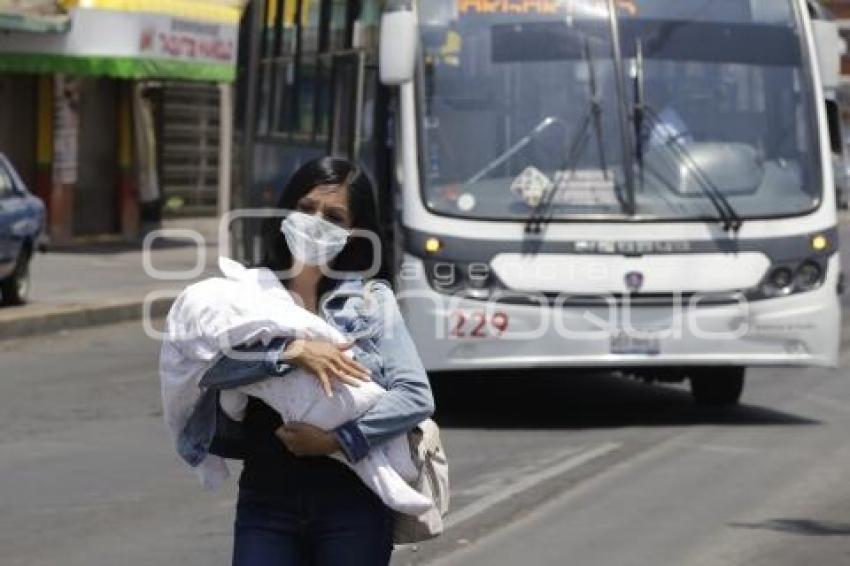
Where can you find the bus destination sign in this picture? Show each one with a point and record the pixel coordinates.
(549, 7)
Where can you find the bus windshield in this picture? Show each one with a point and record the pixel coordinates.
(519, 100)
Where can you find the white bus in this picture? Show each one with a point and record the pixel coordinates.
(633, 185)
(643, 185)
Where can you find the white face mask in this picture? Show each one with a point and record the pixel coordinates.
(312, 239)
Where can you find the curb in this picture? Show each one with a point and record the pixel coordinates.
(73, 317)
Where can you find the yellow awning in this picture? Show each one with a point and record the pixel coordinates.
(289, 12)
(218, 11)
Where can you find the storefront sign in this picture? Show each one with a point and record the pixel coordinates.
(128, 44)
(186, 40)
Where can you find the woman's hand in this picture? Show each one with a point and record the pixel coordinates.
(306, 440)
(326, 361)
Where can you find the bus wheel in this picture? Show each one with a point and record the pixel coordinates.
(717, 386)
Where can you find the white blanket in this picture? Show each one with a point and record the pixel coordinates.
(212, 317)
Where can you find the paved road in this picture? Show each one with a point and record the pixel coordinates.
(586, 471)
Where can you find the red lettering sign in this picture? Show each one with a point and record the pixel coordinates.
(187, 47)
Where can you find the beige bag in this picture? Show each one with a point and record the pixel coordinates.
(426, 448)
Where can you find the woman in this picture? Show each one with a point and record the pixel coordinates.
(295, 505)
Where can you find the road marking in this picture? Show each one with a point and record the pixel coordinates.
(720, 448)
(487, 482)
(481, 505)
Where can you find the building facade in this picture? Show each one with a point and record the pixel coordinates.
(112, 110)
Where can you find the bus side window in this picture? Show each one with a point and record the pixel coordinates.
(833, 118)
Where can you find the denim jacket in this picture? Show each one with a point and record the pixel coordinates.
(382, 343)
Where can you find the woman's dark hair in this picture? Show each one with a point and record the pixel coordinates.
(359, 254)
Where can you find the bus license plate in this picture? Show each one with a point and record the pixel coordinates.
(645, 344)
(477, 324)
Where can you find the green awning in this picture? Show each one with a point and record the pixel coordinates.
(34, 23)
(119, 67)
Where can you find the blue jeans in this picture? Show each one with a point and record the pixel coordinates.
(312, 527)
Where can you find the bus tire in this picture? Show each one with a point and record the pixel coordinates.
(717, 386)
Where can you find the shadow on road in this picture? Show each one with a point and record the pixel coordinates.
(536, 399)
(807, 527)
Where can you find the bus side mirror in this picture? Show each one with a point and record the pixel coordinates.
(398, 47)
(830, 47)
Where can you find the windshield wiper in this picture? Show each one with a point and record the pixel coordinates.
(642, 111)
(535, 221)
(539, 215)
(638, 107)
(728, 215)
(596, 109)
(622, 107)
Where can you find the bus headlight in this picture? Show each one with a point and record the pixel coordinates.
(779, 282)
(789, 278)
(809, 276)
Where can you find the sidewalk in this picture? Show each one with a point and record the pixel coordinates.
(104, 282)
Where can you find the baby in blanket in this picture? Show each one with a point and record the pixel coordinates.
(299, 397)
(213, 316)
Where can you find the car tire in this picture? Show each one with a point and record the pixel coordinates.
(717, 386)
(15, 288)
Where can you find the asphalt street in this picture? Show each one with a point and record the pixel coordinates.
(548, 468)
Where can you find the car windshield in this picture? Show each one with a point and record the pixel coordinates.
(519, 99)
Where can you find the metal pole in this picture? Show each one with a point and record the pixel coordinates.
(249, 127)
(225, 160)
(628, 154)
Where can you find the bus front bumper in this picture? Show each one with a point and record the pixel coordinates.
(453, 333)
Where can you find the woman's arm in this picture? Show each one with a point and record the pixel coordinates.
(212, 428)
(324, 360)
(408, 400)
